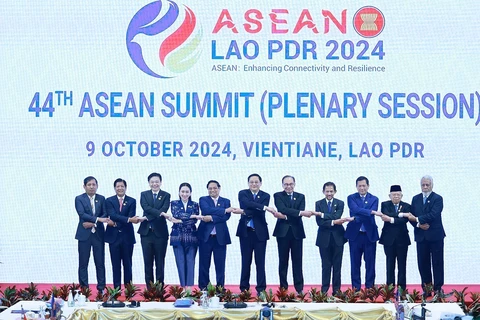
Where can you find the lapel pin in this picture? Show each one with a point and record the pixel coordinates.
(294, 199)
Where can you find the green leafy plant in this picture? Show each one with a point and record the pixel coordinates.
(9, 296)
(414, 297)
(156, 292)
(374, 293)
(131, 291)
(245, 296)
(228, 296)
(211, 290)
(301, 297)
(86, 291)
(176, 291)
(266, 296)
(351, 296)
(387, 292)
(317, 295)
(30, 292)
(64, 291)
(363, 295)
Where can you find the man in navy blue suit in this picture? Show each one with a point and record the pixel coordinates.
(362, 233)
(121, 209)
(426, 218)
(91, 212)
(289, 232)
(213, 235)
(253, 231)
(395, 238)
(153, 231)
(330, 236)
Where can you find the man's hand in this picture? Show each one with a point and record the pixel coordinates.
(307, 214)
(270, 209)
(103, 220)
(238, 211)
(134, 219)
(111, 223)
(377, 213)
(319, 214)
(386, 218)
(349, 219)
(88, 225)
(424, 226)
(207, 218)
(411, 217)
(280, 215)
(339, 221)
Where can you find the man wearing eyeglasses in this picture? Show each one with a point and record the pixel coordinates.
(253, 231)
(289, 232)
(426, 218)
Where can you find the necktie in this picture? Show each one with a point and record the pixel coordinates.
(329, 206)
(362, 227)
(250, 223)
(396, 208)
(154, 198)
(214, 231)
(120, 201)
(92, 204)
(424, 199)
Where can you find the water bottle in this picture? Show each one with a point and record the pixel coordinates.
(70, 301)
(204, 300)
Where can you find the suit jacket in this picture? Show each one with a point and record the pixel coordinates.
(430, 213)
(253, 210)
(325, 228)
(123, 227)
(396, 231)
(362, 212)
(220, 218)
(152, 212)
(291, 209)
(186, 232)
(85, 214)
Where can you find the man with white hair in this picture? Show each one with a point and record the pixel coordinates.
(426, 217)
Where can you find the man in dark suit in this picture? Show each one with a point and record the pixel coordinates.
(330, 236)
(426, 217)
(253, 231)
(121, 210)
(395, 238)
(90, 207)
(153, 231)
(362, 233)
(213, 235)
(290, 232)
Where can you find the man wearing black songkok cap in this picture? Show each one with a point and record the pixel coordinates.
(395, 238)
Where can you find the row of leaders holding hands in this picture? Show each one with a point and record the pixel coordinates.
(212, 236)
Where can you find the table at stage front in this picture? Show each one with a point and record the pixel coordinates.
(166, 310)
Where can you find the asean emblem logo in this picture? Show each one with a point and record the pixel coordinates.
(163, 39)
(368, 22)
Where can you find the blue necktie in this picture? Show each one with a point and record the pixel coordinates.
(250, 223)
(424, 199)
(396, 208)
(329, 206)
(362, 227)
